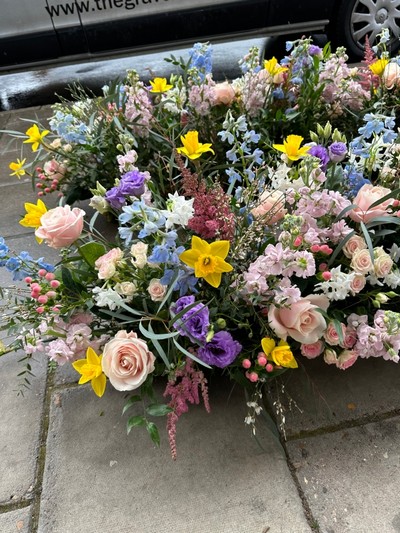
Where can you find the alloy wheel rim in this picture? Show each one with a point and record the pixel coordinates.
(370, 17)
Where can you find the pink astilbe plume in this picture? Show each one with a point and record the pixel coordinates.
(213, 217)
(368, 79)
(183, 388)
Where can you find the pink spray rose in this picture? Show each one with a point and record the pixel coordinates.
(302, 321)
(332, 336)
(366, 196)
(61, 226)
(107, 263)
(311, 351)
(127, 361)
(346, 359)
(354, 244)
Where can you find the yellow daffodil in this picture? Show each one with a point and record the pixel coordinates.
(207, 260)
(273, 67)
(34, 213)
(191, 147)
(17, 168)
(160, 85)
(90, 370)
(378, 66)
(291, 147)
(35, 136)
(280, 354)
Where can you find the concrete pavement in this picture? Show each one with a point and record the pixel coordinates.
(67, 465)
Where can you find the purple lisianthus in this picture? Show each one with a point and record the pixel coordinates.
(133, 183)
(315, 50)
(195, 322)
(115, 198)
(337, 151)
(321, 152)
(221, 351)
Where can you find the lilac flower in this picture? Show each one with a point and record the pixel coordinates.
(221, 351)
(337, 151)
(321, 152)
(195, 322)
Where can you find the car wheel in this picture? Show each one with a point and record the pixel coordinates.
(357, 19)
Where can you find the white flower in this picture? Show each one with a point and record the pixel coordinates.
(392, 280)
(179, 211)
(339, 286)
(106, 298)
(174, 100)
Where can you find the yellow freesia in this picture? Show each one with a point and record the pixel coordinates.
(280, 354)
(35, 136)
(207, 260)
(378, 66)
(91, 370)
(191, 147)
(17, 168)
(291, 147)
(273, 67)
(160, 85)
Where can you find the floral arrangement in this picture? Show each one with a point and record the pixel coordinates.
(254, 225)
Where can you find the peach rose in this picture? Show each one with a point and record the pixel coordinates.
(383, 263)
(127, 361)
(353, 244)
(271, 206)
(391, 75)
(61, 226)
(361, 262)
(311, 351)
(366, 196)
(107, 263)
(223, 93)
(302, 321)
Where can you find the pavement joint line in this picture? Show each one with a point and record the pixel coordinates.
(19, 236)
(347, 424)
(8, 507)
(41, 457)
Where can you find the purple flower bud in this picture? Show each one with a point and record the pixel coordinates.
(337, 151)
(321, 152)
(315, 50)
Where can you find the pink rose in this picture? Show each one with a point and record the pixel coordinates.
(357, 284)
(366, 196)
(223, 93)
(107, 263)
(311, 351)
(391, 75)
(361, 262)
(346, 359)
(271, 206)
(61, 226)
(350, 338)
(127, 361)
(332, 336)
(302, 321)
(54, 169)
(156, 290)
(354, 244)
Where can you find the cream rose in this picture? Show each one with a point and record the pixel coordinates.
(391, 75)
(271, 206)
(361, 262)
(330, 357)
(302, 321)
(366, 196)
(353, 244)
(383, 263)
(61, 226)
(127, 361)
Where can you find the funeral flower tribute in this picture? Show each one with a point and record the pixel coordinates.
(252, 224)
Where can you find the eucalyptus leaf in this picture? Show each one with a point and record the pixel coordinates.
(188, 354)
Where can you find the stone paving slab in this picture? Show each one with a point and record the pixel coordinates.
(328, 396)
(351, 478)
(20, 418)
(15, 521)
(99, 479)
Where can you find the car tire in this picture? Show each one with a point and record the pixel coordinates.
(355, 19)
